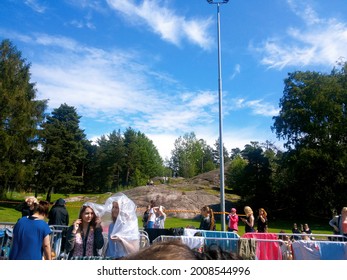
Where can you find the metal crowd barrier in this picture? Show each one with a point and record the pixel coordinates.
(270, 246)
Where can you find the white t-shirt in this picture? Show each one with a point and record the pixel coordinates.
(152, 215)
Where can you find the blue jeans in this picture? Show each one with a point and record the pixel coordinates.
(150, 224)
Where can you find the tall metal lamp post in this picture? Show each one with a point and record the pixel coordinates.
(221, 156)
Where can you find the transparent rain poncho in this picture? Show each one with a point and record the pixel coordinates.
(125, 230)
(97, 208)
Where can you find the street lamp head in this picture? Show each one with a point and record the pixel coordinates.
(217, 1)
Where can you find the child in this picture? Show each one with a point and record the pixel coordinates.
(233, 221)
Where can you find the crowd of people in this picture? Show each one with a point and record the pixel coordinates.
(86, 236)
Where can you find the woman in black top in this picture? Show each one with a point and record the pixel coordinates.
(262, 223)
(145, 216)
(249, 221)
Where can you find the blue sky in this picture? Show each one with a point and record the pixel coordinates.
(152, 64)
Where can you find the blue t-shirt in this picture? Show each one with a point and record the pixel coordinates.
(28, 235)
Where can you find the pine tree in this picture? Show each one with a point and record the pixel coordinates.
(20, 116)
(63, 152)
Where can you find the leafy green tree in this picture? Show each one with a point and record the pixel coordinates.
(250, 175)
(91, 181)
(110, 162)
(313, 122)
(126, 160)
(181, 159)
(191, 156)
(63, 152)
(216, 153)
(20, 116)
(142, 159)
(258, 186)
(207, 161)
(235, 174)
(235, 153)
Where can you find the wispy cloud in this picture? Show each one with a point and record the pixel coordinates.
(95, 5)
(36, 5)
(320, 41)
(258, 107)
(236, 71)
(115, 87)
(82, 24)
(170, 26)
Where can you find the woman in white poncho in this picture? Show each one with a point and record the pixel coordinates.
(123, 232)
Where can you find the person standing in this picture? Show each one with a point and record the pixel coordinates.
(59, 216)
(339, 223)
(145, 216)
(262, 222)
(84, 237)
(296, 233)
(233, 221)
(207, 219)
(123, 232)
(160, 217)
(151, 216)
(31, 235)
(249, 220)
(28, 206)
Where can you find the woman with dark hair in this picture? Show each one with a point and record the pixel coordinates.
(151, 216)
(84, 237)
(262, 222)
(145, 216)
(31, 239)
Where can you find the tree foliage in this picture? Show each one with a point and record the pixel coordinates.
(20, 116)
(63, 152)
(128, 159)
(191, 156)
(250, 175)
(313, 122)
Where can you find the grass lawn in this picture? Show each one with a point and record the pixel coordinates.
(9, 214)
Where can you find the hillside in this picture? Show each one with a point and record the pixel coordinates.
(180, 195)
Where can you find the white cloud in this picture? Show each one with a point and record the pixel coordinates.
(165, 22)
(202, 99)
(114, 87)
(36, 6)
(258, 107)
(236, 71)
(95, 5)
(82, 23)
(164, 143)
(55, 41)
(318, 42)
